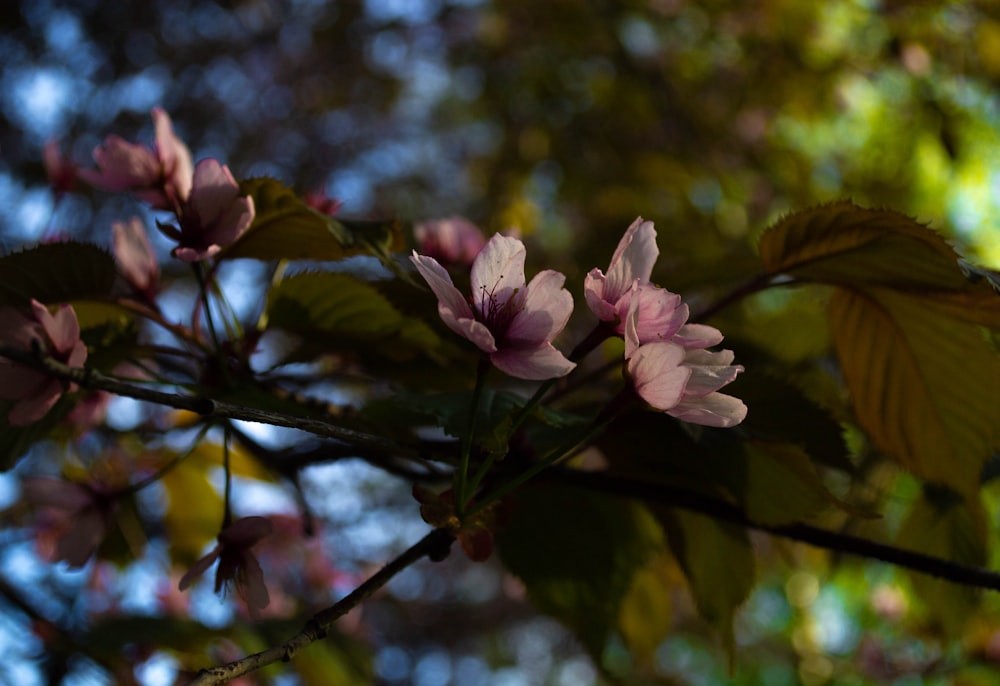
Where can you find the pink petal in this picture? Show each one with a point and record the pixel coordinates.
(253, 589)
(454, 240)
(199, 568)
(497, 273)
(30, 408)
(546, 308)
(213, 192)
(633, 259)
(123, 166)
(246, 531)
(18, 381)
(658, 375)
(716, 409)
(477, 332)
(594, 286)
(63, 330)
(232, 223)
(41, 491)
(535, 364)
(698, 336)
(708, 379)
(134, 254)
(83, 537)
(655, 314)
(195, 254)
(18, 330)
(449, 297)
(174, 155)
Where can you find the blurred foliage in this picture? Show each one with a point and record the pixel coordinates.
(567, 119)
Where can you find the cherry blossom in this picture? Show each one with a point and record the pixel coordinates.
(512, 322)
(674, 373)
(160, 176)
(214, 216)
(135, 257)
(321, 202)
(83, 515)
(237, 563)
(59, 169)
(608, 295)
(452, 241)
(56, 335)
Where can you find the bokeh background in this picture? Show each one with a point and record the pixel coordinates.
(566, 119)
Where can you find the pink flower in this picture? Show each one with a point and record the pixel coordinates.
(455, 240)
(56, 335)
(512, 322)
(134, 255)
(160, 176)
(674, 373)
(236, 562)
(84, 515)
(214, 216)
(320, 201)
(60, 171)
(608, 296)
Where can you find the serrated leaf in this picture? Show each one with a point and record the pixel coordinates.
(56, 273)
(847, 245)
(284, 227)
(336, 312)
(955, 530)
(844, 243)
(923, 385)
(718, 562)
(577, 553)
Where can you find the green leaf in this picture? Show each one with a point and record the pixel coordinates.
(846, 245)
(647, 616)
(944, 525)
(842, 243)
(782, 486)
(284, 227)
(923, 384)
(577, 553)
(335, 312)
(55, 273)
(718, 562)
(194, 509)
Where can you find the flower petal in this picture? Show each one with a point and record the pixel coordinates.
(497, 273)
(213, 192)
(654, 314)
(658, 374)
(449, 297)
(546, 308)
(715, 409)
(534, 364)
(698, 336)
(199, 568)
(633, 259)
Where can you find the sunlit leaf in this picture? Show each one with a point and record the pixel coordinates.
(577, 553)
(284, 227)
(55, 273)
(947, 527)
(193, 516)
(923, 384)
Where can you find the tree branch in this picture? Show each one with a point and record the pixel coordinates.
(434, 545)
(671, 496)
(93, 380)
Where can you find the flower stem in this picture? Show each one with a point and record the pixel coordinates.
(461, 481)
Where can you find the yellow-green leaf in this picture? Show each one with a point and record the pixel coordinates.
(646, 616)
(194, 510)
(923, 385)
(782, 484)
(284, 227)
(718, 562)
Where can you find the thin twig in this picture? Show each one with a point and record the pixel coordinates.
(206, 407)
(672, 496)
(434, 545)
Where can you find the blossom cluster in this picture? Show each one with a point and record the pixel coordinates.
(514, 323)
